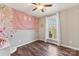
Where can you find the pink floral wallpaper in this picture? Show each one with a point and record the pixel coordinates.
(23, 21)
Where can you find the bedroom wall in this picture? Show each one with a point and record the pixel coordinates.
(21, 25)
(25, 26)
(44, 30)
(41, 33)
(70, 27)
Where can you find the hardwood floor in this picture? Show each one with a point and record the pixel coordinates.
(40, 48)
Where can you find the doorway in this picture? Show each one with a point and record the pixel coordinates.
(52, 30)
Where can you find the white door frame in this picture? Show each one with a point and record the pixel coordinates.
(58, 30)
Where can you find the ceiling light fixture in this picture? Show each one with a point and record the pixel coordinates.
(40, 6)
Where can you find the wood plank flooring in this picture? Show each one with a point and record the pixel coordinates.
(40, 48)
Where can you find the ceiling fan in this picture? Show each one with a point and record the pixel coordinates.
(40, 6)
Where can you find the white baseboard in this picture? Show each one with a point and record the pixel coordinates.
(53, 42)
(63, 45)
(27, 43)
(70, 47)
(42, 40)
(13, 49)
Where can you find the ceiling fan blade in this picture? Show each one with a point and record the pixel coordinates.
(42, 10)
(34, 9)
(34, 3)
(48, 5)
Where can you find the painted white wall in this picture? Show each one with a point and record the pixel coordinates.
(22, 37)
(42, 25)
(5, 51)
(70, 27)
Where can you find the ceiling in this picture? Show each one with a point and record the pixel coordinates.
(28, 7)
